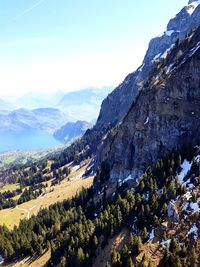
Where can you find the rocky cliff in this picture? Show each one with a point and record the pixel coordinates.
(115, 107)
(165, 114)
(117, 104)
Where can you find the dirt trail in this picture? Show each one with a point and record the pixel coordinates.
(28, 211)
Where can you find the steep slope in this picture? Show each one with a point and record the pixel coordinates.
(117, 104)
(71, 131)
(165, 115)
(139, 221)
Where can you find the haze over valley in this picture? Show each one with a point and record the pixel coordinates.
(29, 122)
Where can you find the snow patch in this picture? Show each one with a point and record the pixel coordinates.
(187, 195)
(146, 196)
(193, 230)
(190, 186)
(197, 159)
(120, 182)
(128, 178)
(1, 260)
(193, 50)
(165, 242)
(169, 33)
(167, 50)
(152, 234)
(191, 7)
(169, 68)
(141, 68)
(185, 166)
(156, 57)
(195, 207)
(147, 120)
(90, 167)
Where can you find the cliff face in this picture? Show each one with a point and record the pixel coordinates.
(165, 115)
(117, 104)
(115, 107)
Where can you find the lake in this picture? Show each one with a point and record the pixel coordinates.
(33, 140)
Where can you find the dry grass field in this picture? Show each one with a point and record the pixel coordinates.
(65, 190)
(9, 187)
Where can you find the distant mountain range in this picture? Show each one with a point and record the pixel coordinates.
(79, 105)
(71, 131)
(61, 116)
(84, 104)
(43, 119)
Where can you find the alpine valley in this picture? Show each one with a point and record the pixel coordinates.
(35, 121)
(126, 193)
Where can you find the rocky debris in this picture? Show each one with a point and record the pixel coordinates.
(193, 230)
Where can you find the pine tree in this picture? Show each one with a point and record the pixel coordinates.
(80, 257)
(183, 251)
(108, 264)
(130, 262)
(193, 258)
(95, 241)
(116, 258)
(144, 262)
(177, 262)
(141, 185)
(63, 261)
(174, 247)
(166, 255)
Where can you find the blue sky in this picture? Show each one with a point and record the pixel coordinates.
(51, 45)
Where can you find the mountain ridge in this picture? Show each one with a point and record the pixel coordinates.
(169, 102)
(117, 104)
(71, 131)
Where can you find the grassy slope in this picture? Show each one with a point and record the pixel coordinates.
(9, 187)
(66, 189)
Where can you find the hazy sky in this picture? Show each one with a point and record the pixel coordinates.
(51, 45)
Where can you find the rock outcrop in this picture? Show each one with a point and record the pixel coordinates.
(165, 114)
(118, 103)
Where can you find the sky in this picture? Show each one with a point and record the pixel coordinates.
(50, 45)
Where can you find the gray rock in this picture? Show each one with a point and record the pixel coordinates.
(172, 211)
(117, 104)
(164, 117)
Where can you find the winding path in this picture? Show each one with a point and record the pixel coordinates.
(28, 211)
